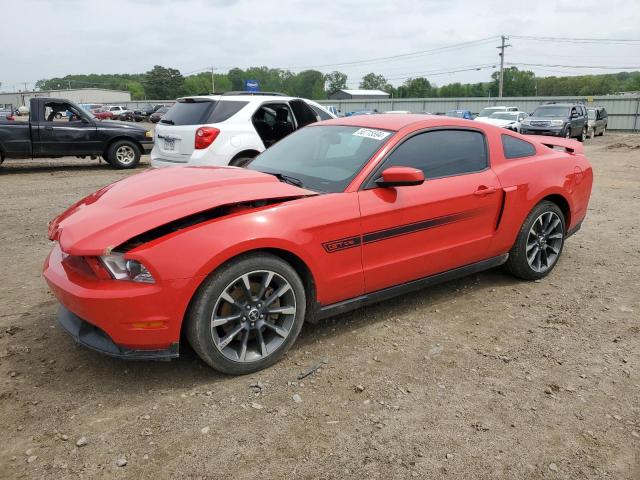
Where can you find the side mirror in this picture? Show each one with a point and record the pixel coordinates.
(400, 177)
(574, 115)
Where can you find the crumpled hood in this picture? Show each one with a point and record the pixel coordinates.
(132, 206)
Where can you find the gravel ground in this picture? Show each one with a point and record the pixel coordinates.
(484, 377)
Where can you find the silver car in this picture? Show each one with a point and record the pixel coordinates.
(597, 124)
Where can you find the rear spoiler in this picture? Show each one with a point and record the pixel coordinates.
(570, 146)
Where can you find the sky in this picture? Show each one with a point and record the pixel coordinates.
(56, 38)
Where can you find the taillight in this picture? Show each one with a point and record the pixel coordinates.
(205, 137)
(10, 117)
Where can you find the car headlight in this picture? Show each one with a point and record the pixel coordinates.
(557, 123)
(526, 121)
(148, 134)
(121, 268)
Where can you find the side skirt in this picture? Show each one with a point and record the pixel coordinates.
(374, 297)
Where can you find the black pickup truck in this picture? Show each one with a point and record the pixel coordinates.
(75, 132)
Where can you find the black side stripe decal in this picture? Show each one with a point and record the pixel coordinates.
(379, 235)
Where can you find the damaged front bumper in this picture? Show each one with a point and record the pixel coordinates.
(96, 339)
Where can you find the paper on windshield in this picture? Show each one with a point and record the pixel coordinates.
(371, 133)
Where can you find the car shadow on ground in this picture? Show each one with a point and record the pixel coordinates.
(106, 375)
(53, 166)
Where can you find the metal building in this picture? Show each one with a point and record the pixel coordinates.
(77, 95)
(359, 95)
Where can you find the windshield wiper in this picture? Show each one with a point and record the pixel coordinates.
(287, 179)
(169, 122)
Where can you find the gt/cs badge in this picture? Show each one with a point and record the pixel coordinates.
(342, 244)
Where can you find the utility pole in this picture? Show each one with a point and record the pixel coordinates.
(501, 48)
(213, 81)
(25, 86)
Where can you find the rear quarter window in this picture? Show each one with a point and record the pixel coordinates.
(198, 112)
(189, 113)
(516, 148)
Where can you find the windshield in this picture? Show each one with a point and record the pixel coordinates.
(504, 116)
(551, 112)
(87, 112)
(592, 114)
(323, 158)
(485, 112)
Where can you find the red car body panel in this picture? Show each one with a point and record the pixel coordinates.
(351, 243)
(103, 115)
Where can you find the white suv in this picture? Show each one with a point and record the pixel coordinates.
(228, 129)
(117, 110)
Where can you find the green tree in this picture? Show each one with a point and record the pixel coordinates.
(516, 83)
(308, 84)
(163, 83)
(372, 81)
(415, 88)
(335, 81)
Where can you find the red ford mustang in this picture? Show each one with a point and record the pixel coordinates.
(340, 214)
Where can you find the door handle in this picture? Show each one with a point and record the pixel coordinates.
(48, 128)
(482, 190)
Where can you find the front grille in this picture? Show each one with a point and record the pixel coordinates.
(540, 124)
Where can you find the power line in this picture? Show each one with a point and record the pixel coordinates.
(602, 67)
(402, 56)
(613, 41)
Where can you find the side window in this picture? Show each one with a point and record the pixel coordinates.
(516, 148)
(303, 113)
(322, 114)
(603, 114)
(442, 153)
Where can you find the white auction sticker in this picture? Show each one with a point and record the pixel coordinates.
(370, 133)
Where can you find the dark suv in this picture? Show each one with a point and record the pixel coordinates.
(567, 120)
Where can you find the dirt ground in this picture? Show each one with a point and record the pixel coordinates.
(484, 377)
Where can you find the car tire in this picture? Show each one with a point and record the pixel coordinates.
(539, 243)
(123, 154)
(604, 129)
(241, 161)
(247, 335)
(592, 135)
(567, 133)
(583, 135)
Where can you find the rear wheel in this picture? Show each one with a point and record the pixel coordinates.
(123, 154)
(247, 315)
(539, 243)
(604, 129)
(240, 161)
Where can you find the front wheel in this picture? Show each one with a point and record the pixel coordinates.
(539, 243)
(123, 154)
(583, 135)
(247, 315)
(567, 134)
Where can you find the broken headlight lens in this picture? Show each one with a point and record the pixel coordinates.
(121, 268)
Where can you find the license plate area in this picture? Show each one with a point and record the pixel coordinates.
(169, 144)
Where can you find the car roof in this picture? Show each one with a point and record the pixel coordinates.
(396, 121)
(244, 98)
